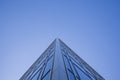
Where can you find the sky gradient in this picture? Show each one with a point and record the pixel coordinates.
(90, 28)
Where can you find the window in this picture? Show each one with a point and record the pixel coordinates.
(71, 75)
(48, 67)
(81, 74)
(46, 76)
(66, 63)
(35, 77)
(73, 69)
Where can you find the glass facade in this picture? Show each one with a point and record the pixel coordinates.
(59, 62)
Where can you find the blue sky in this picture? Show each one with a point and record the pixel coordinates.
(90, 28)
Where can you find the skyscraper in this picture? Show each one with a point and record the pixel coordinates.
(59, 62)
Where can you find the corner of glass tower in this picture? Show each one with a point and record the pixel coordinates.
(59, 62)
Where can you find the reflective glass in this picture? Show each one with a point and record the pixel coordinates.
(48, 65)
(41, 61)
(51, 55)
(35, 77)
(67, 63)
(73, 68)
(46, 76)
(89, 71)
(64, 52)
(82, 75)
(73, 59)
(71, 75)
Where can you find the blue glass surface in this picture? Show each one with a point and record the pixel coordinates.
(36, 76)
(71, 75)
(48, 65)
(81, 74)
(66, 62)
(46, 76)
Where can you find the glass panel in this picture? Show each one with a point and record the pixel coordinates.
(66, 63)
(63, 52)
(48, 65)
(41, 61)
(71, 75)
(73, 59)
(73, 69)
(35, 77)
(82, 75)
(40, 70)
(89, 71)
(77, 64)
(51, 55)
(46, 76)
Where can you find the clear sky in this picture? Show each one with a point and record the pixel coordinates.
(91, 28)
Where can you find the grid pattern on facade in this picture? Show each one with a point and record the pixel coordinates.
(42, 68)
(73, 67)
(76, 68)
